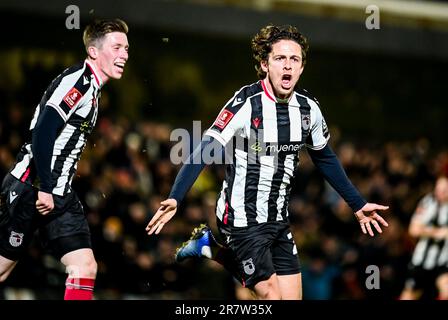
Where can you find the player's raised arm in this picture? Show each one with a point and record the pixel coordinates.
(329, 166)
(184, 180)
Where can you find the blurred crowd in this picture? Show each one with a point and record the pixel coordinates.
(126, 171)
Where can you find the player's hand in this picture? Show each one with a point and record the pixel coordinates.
(368, 215)
(44, 203)
(166, 211)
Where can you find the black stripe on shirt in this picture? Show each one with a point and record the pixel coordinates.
(284, 136)
(253, 163)
(76, 121)
(85, 126)
(230, 178)
(305, 114)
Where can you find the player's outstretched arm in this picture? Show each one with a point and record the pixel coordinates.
(368, 215)
(164, 214)
(183, 182)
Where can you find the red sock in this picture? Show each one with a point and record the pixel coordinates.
(79, 289)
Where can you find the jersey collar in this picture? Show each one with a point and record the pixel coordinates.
(95, 73)
(292, 101)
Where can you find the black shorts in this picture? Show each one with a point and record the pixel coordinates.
(261, 250)
(63, 230)
(422, 279)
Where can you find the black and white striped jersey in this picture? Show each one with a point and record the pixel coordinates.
(74, 94)
(263, 138)
(431, 253)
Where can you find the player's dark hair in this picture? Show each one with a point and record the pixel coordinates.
(262, 43)
(95, 31)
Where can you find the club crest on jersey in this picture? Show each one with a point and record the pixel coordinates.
(256, 122)
(15, 239)
(248, 266)
(306, 121)
(72, 97)
(223, 119)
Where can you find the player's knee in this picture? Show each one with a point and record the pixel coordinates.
(268, 289)
(86, 268)
(90, 268)
(268, 293)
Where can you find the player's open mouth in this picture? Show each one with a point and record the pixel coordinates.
(286, 80)
(119, 65)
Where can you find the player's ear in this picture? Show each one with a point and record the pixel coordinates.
(92, 52)
(264, 65)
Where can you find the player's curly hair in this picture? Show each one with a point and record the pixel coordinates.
(95, 31)
(262, 43)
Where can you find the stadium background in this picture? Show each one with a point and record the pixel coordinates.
(381, 91)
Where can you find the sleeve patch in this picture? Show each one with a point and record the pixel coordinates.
(72, 97)
(223, 119)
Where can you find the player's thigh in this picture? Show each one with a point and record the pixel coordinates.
(6, 266)
(67, 231)
(251, 247)
(284, 252)
(290, 286)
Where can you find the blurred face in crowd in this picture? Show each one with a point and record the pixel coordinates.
(283, 68)
(110, 55)
(441, 189)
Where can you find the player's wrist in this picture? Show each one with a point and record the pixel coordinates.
(46, 191)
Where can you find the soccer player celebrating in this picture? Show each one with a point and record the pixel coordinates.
(37, 192)
(261, 130)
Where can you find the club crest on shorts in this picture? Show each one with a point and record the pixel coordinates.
(16, 239)
(249, 267)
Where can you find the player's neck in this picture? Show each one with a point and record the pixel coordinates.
(96, 70)
(268, 87)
